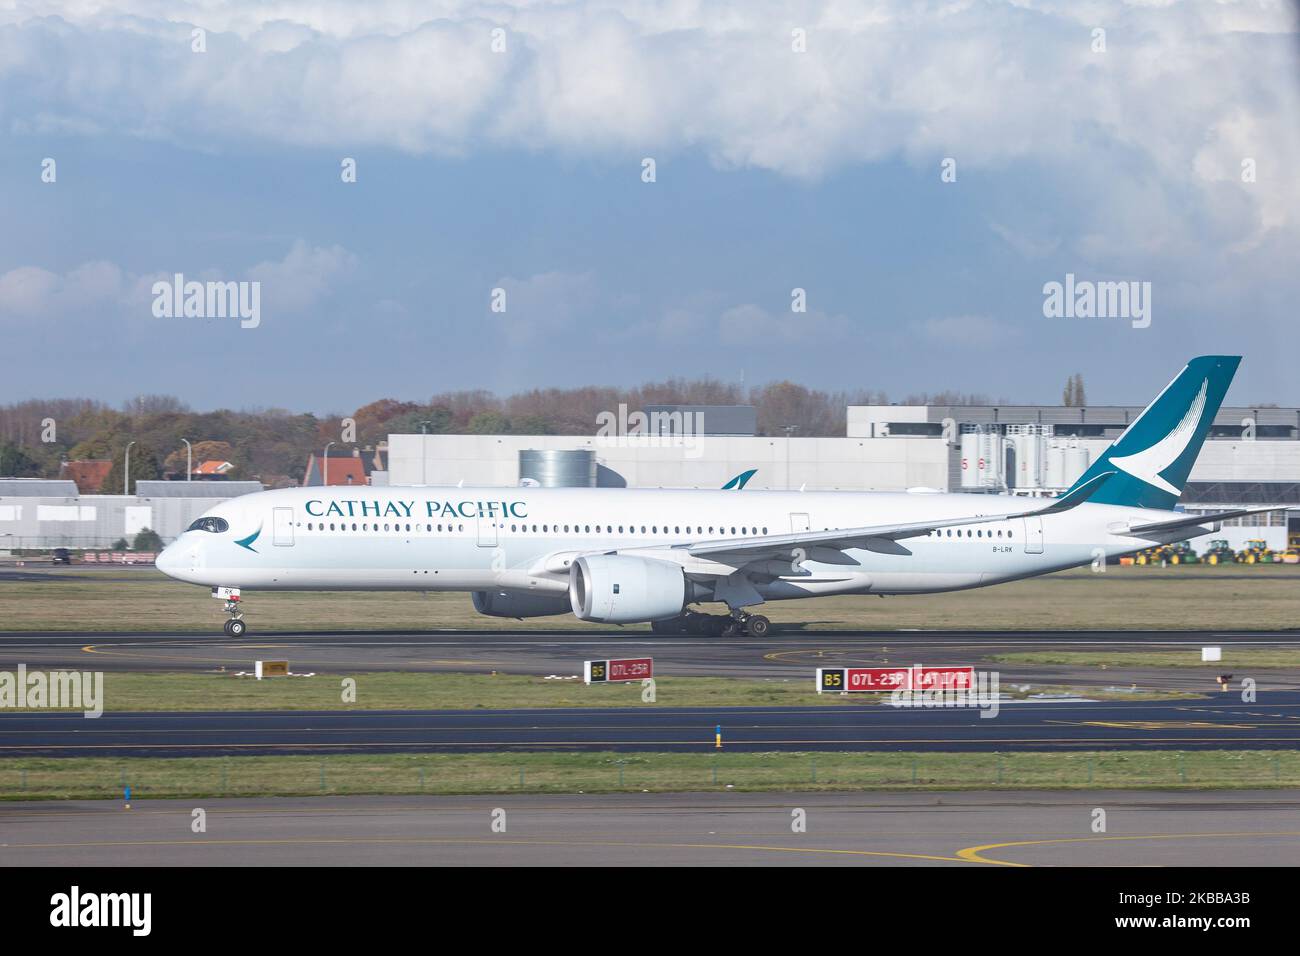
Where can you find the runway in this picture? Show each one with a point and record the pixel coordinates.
(782, 654)
(968, 829)
(1211, 723)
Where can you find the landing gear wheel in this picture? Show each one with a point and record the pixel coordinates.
(236, 628)
(697, 624)
(758, 626)
(716, 626)
(672, 625)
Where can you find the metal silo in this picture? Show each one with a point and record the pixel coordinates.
(559, 468)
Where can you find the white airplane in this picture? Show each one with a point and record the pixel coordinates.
(626, 556)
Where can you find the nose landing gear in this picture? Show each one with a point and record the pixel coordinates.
(235, 626)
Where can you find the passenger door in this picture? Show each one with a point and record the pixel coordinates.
(487, 532)
(282, 527)
(1033, 535)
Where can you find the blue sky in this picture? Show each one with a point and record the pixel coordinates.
(775, 170)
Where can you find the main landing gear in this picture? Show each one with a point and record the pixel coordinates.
(738, 623)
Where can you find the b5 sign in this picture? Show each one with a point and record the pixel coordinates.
(626, 669)
(858, 679)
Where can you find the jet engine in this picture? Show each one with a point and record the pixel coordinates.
(620, 589)
(499, 603)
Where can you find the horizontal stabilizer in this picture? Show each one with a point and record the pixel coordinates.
(1191, 521)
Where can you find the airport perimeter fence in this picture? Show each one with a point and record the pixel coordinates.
(109, 778)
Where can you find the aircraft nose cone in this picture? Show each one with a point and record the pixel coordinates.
(170, 560)
(166, 559)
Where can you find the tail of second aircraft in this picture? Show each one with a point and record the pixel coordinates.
(1153, 457)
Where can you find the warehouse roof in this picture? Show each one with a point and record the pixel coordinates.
(196, 489)
(38, 487)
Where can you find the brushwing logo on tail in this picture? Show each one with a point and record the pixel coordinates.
(1146, 465)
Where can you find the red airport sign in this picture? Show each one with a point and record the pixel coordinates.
(887, 679)
(624, 669)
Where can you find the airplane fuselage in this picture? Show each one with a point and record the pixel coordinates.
(466, 539)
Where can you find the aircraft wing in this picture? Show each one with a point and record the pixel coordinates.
(842, 538)
(1190, 521)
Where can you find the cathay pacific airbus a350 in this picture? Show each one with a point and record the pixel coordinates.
(626, 556)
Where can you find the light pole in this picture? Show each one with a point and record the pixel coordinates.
(189, 459)
(325, 465)
(789, 430)
(126, 470)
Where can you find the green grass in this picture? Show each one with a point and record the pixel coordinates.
(1232, 657)
(104, 778)
(420, 690)
(384, 690)
(1261, 597)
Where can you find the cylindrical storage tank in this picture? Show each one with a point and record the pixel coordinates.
(559, 468)
(1054, 473)
(970, 454)
(1029, 456)
(991, 450)
(1076, 463)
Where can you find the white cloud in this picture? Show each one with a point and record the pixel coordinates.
(545, 305)
(32, 292)
(756, 327)
(98, 289)
(968, 331)
(303, 277)
(1023, 242)
(1143, 143)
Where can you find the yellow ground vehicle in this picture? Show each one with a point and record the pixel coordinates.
(1179, 552)
(1290, 556)
(1220, 552)
(1256, 551)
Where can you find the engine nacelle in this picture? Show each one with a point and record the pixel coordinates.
(619, 589)
(499, 603)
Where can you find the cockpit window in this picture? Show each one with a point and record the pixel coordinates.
(215, 525)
